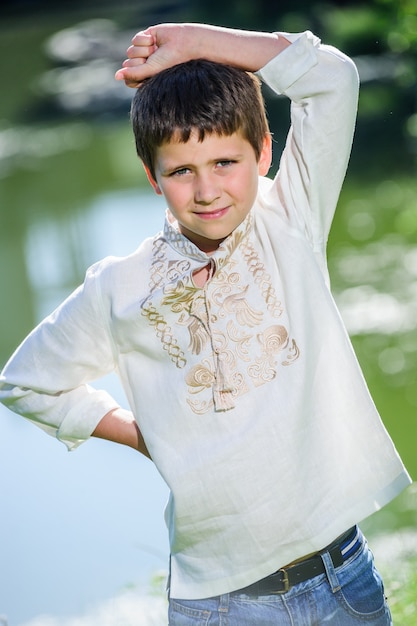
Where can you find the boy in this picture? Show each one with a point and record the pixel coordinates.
(242, 382)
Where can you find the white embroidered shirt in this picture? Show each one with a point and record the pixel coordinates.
(247, 391)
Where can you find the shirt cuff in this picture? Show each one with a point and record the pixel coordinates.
(292, 63)
(82, 420)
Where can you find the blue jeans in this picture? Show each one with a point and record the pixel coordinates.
(350, 594)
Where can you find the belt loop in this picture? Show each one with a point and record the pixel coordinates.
(224, 601)
(330, 571)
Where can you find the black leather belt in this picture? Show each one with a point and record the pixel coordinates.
(285, 578)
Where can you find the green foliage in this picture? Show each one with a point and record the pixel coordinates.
(381, 35)
(401, 590)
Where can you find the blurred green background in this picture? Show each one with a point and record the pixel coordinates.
(72, 190)
(65, 139)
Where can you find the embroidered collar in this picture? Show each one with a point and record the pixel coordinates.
(187, 248)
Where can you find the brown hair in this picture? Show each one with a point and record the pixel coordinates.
(200, 96)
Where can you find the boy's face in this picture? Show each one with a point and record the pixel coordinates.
(210, 185)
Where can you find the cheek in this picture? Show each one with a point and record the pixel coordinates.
(244, 185)
(247, 187)
(174, 195)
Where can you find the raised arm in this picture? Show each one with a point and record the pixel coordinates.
(322, 84)
(165, 45)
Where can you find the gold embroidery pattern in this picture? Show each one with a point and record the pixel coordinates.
(237, 305)
(293, 353)
(262, 278)
(164, 333)
(163, 269)
(230, 244)
(241, 339)
(272, 341)
(238, 347)
(188, 302)
(201, 377)
(198, 336)
(179, 297)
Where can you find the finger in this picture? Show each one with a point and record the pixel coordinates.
(143, 38)
(120, 75)
(142, 52)
(131, 77)
(134, 62)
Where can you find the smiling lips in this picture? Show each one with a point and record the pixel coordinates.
(210, 215)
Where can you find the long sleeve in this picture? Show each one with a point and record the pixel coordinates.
(322, 84)
(266, 327)
(46, 380)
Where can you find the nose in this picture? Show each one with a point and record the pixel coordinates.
(206, 189)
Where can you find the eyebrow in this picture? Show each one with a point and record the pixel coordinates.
(169, 168)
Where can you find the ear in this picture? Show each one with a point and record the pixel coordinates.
(265, 158)
(152, 181)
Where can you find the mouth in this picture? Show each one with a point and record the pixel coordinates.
(212, 215)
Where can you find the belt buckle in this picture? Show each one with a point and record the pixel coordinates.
(285, 581)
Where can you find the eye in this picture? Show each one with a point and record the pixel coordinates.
(181, 172)
(225, 163)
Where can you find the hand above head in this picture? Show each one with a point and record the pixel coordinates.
(152, 50)
(165, 45)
